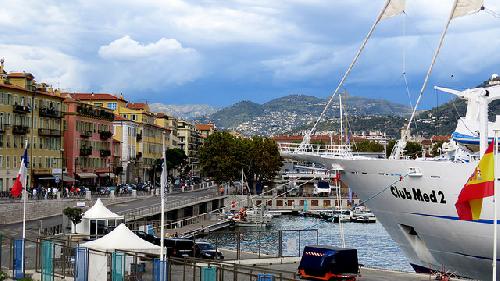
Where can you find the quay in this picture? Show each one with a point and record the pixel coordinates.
(44, 217)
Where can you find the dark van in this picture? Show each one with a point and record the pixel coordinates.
(328, 263)
(179, 247)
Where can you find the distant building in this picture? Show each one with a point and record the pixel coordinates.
(189, 141)
(205, 129)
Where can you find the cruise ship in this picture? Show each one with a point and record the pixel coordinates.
(414, 199)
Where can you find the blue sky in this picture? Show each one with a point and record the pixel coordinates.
(221, 52)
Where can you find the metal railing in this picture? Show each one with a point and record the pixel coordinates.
(344, 150)
(132, 214)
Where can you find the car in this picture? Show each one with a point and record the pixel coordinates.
(206, 250)
(148, 237)
(179, 247)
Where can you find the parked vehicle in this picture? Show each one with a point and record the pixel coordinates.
(206, 250)
(179, 247)
(148, 237)
(328, 263)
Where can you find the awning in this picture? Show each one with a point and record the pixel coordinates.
(87, 175)
(107, 175)
(46, 178)
(68, 178)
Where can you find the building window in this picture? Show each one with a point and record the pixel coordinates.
(99, 104)
(112, 105)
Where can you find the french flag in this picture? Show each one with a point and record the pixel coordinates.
(20, 182)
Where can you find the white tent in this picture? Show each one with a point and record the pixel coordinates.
(96, 219)
(99, 211)
(121, 238)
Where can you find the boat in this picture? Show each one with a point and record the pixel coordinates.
(254, 217)
(336, 215)
(414, 199)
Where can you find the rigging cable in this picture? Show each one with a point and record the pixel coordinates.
(348, 71)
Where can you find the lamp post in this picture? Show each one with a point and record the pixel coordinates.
(62, 170)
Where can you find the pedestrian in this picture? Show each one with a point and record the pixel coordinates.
(176, 234)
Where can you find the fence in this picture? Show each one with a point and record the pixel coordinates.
(50, 260)
(252, 244)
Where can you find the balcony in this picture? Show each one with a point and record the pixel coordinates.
(21, 108)
(99, 113)
(20, 130)
(105, 135)
(86, 151)
(49, 132)
(86, 134)
(105, 152)
(138, 137)
(49, 112)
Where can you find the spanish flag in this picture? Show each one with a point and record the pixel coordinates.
(480, 185)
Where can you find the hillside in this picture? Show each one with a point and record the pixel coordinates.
(296, 111)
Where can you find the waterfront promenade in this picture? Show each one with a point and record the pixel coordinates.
(52, 220)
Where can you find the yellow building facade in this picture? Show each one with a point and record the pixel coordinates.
(32, 112)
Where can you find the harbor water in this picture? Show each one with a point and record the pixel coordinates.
(375, 247)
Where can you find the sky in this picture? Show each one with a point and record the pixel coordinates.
(221, 52)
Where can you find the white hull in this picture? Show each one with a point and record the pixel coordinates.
(439, 238)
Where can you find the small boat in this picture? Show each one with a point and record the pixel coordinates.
(337, 215)
(252, 218)
(363, 215)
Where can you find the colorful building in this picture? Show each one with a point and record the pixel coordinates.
(126, 132)
(205, 129)
(150, 137)
(89, 148)
(169, 124)
(189, 141)
(29, 112)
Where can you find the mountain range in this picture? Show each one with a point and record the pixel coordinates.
(186, 111)
(286, 114)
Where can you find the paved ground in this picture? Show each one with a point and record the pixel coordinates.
(32, 226)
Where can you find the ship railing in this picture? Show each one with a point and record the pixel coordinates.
(337, 150)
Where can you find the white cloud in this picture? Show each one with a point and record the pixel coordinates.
(131, 65)
(126, 48)
(46, 64)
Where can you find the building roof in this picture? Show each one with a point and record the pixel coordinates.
(20, 75)
(205, 127)
(10, 86)
(138, 105)
(441, 138)
(96, 96)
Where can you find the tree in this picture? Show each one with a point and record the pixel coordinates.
(389, 148)
(223, 156)
(219, 157)
(436, 148)
(175, 158)
(368, 146)
(74, 215)
(413, 149)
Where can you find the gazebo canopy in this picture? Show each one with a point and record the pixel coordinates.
(99, 211)
(121, 238)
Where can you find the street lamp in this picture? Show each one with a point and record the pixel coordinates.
(62, 170)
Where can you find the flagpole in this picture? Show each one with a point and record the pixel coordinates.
(495, 197)
(25, 195)
(162, 196)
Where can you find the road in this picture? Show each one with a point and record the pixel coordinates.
(32, 226)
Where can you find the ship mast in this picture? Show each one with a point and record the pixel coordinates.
(460, 8)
